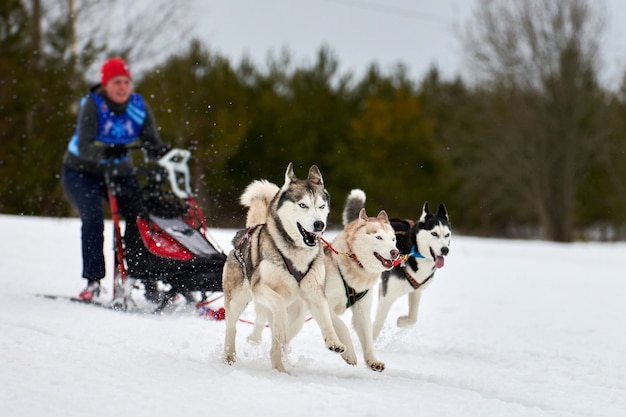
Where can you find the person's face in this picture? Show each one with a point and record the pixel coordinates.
(118, 89)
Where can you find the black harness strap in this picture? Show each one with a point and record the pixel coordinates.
(298, 275)
(412, 280)
(351, 293)
(243, 255)
(241, 249)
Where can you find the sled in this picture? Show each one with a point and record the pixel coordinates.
(175, 253)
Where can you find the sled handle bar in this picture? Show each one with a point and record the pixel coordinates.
(175, 162)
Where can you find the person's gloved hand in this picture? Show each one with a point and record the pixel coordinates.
(116, 151)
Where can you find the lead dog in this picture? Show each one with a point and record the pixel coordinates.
(354, 261)
(278, 262)
(423, 245)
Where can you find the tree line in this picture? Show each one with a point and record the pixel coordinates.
(532, 147)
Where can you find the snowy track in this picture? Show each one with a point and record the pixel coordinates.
(507, 328)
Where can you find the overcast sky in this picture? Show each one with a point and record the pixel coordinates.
(418, 33)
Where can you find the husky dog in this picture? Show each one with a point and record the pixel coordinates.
(354, 261)
(423, 246)
(278, 262)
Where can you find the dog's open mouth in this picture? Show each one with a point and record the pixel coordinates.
(387, 263)
(309, 238)
(439, 260)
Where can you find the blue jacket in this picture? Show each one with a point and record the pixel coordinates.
(102, 123)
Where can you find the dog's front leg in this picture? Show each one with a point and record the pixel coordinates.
(414, 303)
(297, 312)
(385, 301)
(262, 317)
(344, 335)
(279, 323)
(235, 301)
(313, 293)
(362, 322)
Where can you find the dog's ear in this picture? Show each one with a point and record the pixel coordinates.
(363, 214)
(442, 212)
(289, 175)
(383, 217)
(315, 176)
(425, 213)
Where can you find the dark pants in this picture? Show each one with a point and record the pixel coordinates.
(86, 193)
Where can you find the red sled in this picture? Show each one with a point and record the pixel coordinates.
(174, 249)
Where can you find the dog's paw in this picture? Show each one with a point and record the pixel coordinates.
(404, 321)
(350, 358)
(283, 370)
(376, 366)
(254, 338)
(337, 347)
(229, 359)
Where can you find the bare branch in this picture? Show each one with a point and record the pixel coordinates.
(540, 57)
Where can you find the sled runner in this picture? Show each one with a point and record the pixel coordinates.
(170, 252)
(201, 309)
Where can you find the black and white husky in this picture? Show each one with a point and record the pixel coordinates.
(278, 262)
(423, 245)
(354, 261)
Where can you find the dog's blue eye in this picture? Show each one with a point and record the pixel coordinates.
(302, 205)
(434, 234)
(323, 206)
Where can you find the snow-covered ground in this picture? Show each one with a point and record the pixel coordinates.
(508, 328)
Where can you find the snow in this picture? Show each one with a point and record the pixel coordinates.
(507, 328)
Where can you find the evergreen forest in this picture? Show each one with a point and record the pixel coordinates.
(532, 147)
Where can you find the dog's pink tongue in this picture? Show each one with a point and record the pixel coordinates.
(439, 260)
(387, 263)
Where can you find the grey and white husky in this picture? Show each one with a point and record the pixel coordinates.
(278, 262)
(357, 256)
(423, 245)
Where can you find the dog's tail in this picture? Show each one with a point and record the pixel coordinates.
(354, 203)
(258, 197)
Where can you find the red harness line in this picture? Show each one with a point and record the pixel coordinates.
(336, 252)
(217, 315)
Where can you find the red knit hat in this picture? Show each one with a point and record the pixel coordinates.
(112, 68)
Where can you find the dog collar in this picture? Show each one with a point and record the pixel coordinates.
(355, 259)
(415, 253)
(336, 252)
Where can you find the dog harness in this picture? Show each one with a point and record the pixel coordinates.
(401, 228)
(298, 275)
(243, 255)
(351, 293)
(242, 250)
(413, 281)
